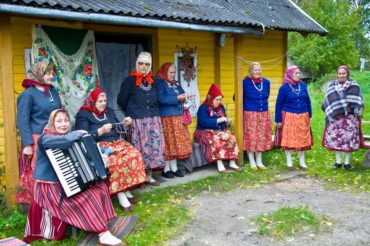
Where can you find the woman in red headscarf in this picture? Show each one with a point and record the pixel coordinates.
(125, 163)
(34, 106)
(216, 140)
(171, 100)
(343, 107)
(293, 114)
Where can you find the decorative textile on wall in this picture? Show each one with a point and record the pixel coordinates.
(76, 74)
(186, 74)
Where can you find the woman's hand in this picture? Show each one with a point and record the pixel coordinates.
(127, 121)
(28, 151)
(181, 98)
(105, 129)
(278, 124)
(221, 120)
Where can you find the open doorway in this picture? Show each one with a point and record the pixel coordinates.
(116, 56)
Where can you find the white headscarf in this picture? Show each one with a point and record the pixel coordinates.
(144, 57)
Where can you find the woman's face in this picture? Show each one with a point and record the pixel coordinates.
(256, 71)
(101, 102)
(297, 75)
(61, 123)
(342, 75)
(143, 66)
(171, 74)
(217, 101)
(48, 78)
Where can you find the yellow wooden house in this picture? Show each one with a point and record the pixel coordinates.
(227, 35)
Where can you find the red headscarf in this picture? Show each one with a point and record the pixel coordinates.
(163, 72)
(214, 91)
(89, 104)
(35, 75)
(140, 77)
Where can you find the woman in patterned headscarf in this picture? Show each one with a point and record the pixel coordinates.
(293, 114)
(171, 99)
(34, 106)
(343, 107)
(217, 142)
(138, 99)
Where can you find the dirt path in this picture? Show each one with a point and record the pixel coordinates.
(223, 219)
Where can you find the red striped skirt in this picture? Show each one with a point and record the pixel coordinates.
(177, 138)
(89, 210)
(257, 131)
(218, 145)
(26, 168)
(296, 132)
(126, 166)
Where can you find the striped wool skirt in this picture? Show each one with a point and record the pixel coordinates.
(343, 134)
(24, 193)
(296, 132)
(147, 138)
(125, 164)
(257, 131)
(217, 145)
(177, 138)
(89, 210)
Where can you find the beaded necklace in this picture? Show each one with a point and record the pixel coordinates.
(256, 87)
(104, 118)
(296, 91)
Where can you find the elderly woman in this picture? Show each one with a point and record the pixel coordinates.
(125, 163)
(293, 114)
(51, 211)
(138, 99)
(34, 106)
(171, 99)
(216, 140)
(343, 107)
(257, 122)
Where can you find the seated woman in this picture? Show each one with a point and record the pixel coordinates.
(125, 163)
(51, 211)
(216, 140)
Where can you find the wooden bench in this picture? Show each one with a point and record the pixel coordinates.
(366, 137)
(367, 143)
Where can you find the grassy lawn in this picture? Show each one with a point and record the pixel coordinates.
(162, 213)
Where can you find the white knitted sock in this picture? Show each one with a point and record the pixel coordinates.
(128, 194)
(289, 160)
(173, 165)
(108, 238)
(259, 159)
(122, 199)
(338, 157)
(252, 162)
(347, 157)
(302, 161)
(220, 165)
(167, 167)
(233, 164)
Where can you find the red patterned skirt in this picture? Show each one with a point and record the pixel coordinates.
(296, 133)
(89, 210)
(218, 145)
(26, 168)
(257, 131)
(126, 166)
(176, 137)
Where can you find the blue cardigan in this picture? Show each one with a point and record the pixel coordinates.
(136, 102)
(43, 167)
(288, 101)
(33, 111)
(167, 99)
(85, 120)
(205, 121)
(254, 100)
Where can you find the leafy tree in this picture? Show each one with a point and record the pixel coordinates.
(322, 54)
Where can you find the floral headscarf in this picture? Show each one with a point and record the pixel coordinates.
(89, 104)
(163, 72)
(50, 127)
(288, 76)
(35, 75)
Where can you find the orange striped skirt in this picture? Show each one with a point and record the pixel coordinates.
(296, 134)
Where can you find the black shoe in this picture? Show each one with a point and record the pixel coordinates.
(348, 167)
(178, 173)
(168, 174)
(337, 165)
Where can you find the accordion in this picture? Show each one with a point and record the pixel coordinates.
(78, 167)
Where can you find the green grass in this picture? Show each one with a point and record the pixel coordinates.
(162, 212)
(287, 222)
